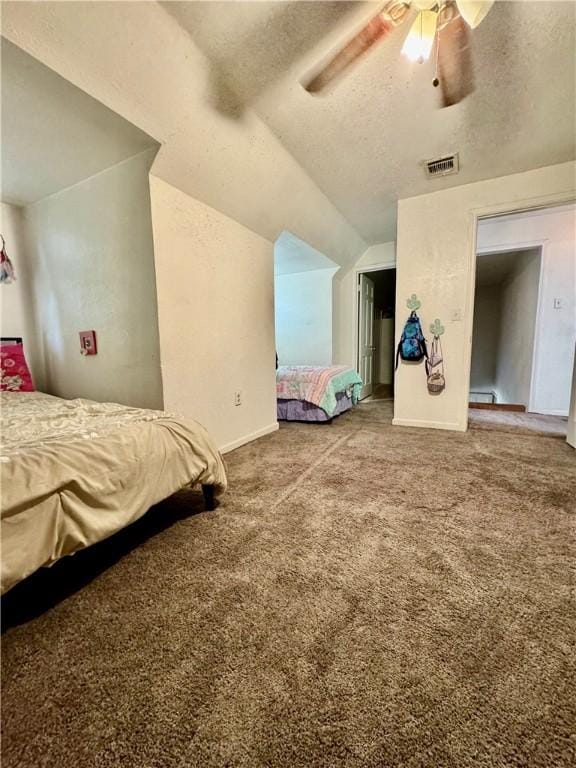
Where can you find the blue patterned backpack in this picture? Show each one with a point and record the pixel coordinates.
(412, 345)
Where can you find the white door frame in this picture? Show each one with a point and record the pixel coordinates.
(476, 215)
(357, 272)
(366, 350)
(525, 245)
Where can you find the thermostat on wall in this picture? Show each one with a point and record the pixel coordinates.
(88, 342)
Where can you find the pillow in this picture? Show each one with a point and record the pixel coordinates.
(15, 374)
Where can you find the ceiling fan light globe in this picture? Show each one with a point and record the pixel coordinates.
(474, 11)
(420, 39)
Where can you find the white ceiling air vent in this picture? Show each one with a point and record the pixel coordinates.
(442, 166)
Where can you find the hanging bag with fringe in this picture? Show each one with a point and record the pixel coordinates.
(435, 368)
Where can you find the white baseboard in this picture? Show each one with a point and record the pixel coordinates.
(249, 438)
(544, 412)
(453, 426)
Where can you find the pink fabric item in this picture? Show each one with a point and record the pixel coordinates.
(14, 369)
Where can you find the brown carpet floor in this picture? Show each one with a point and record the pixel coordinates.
(528, 423)
(365, 595)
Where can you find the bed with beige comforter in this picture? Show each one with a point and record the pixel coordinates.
(75, 471)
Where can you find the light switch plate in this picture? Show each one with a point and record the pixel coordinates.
(88, 343)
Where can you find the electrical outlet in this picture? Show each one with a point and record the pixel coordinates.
(557, 303)
(237, 398)
(456, 315)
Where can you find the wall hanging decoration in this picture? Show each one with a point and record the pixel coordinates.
(6, 269)
(435, 363)
(412, 344)
(436, 328)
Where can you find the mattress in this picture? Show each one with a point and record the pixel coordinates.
(74, 472)
(300, 410)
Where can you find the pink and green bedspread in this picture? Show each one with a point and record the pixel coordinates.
(317, 385)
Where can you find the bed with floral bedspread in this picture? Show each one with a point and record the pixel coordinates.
(316, 393)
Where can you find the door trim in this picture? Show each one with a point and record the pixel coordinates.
(367, 387)
(357, 272)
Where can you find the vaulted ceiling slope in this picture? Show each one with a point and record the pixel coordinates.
(496, 268)
(136, 59)
(53, 134)
(364, 143)
(292, 255)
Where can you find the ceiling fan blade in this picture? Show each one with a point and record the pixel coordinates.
(474, 11)
(455, 70)
(377, 29)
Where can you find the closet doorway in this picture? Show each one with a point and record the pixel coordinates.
(376, 332)
(524, 322)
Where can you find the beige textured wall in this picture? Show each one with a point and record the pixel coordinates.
(435, 260)
(215, 282)
(92, 268)
(16, 298)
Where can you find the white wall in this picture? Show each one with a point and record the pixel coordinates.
(16, 298)
(345, 320)
(485, 337)
(303, 317)
(504, 329)
(435, 259)
(516, 337)
(556, 328)
(92, 268)
(215, 282)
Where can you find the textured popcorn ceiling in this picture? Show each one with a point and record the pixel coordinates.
(364, 143)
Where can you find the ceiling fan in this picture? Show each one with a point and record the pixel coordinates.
(448, 22)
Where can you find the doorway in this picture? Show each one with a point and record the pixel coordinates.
(376, 312)
(524, 325)
(504, 329)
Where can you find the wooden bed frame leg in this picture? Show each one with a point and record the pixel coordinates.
(209, 500)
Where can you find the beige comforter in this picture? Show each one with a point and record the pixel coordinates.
(75, 471)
